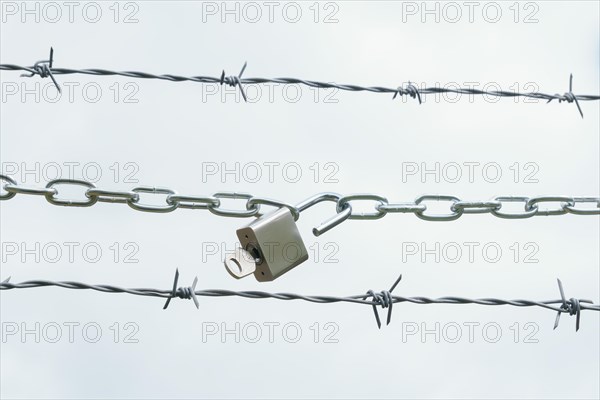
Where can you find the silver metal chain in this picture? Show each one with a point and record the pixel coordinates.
(251, 207)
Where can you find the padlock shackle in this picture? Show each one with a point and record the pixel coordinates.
(332, 222)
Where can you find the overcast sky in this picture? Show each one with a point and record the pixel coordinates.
(289, 143)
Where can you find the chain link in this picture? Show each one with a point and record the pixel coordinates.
(343, 202)
(112, 196)
(193, 202)
(52, 199)
(475, 207)
(454, 214)
(535, 201)
(583, 211)
(497, 206)
(8, 195)
(134, 203)
(21, 189)
(401, 208)
(258, 201)
(250, 211)
(527, 213)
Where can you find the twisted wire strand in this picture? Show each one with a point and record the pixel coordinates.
(45, 69)
(384, 299)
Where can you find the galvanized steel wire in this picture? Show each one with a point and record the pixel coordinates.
(45, 68)
(383, 299)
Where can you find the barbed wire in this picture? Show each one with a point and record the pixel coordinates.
(171, 200)
(383, 299)
(45, 68)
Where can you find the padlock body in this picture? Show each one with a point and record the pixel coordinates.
(274, 240)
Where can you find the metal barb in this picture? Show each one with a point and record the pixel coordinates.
(410, 90)
(572, 96)
(376, 301)
(235, 80)
(572, 306)
(182, 292)
(43, 68)
(189, 293)
(174, 291)
(569, 97)
(385, 300)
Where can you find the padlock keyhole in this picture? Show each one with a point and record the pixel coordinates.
(255, 253)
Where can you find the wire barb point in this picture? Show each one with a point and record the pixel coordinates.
(571, 306)
(410, 90)
(174, 291)
(383, 299)
(43, 68)
(569, 97)
(189, 293)
(182, 292)
(235, 80)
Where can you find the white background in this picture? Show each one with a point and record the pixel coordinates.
(173, 129)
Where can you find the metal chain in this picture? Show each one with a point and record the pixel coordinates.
(171, 200)
(45, 69)
(384, 299)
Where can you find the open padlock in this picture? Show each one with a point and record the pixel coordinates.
(270, 247)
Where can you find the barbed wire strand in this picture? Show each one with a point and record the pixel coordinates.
(45, 69)
(383, 299)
